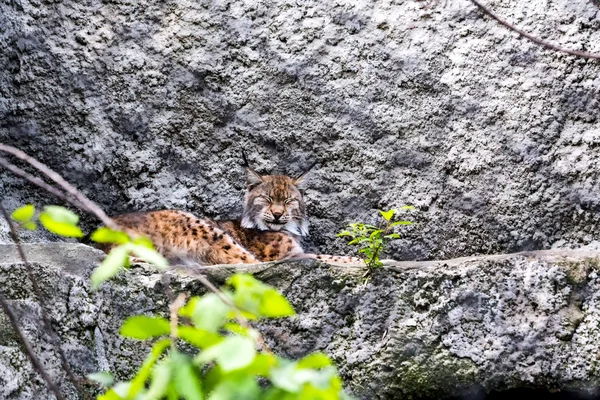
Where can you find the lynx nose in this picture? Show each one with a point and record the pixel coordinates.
(277, 215)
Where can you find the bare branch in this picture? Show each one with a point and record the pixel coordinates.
(34, 361)
(40, 299)
(534, 39)
(39, 183)
(13, 319)
(174, 320)
(86, 204)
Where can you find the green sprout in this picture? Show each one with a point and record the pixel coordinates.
(372, 240)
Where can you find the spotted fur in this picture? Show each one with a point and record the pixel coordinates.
(273, 220)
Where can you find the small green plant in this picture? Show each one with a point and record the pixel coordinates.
(372, 240)
(230, 359)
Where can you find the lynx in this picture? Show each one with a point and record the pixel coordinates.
(272, 222)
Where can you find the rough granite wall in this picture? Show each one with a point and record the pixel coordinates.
(146, 104)
(416, 330)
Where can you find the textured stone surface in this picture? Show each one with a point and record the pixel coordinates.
(147, 104)
(415, 330)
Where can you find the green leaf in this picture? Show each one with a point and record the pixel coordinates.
(187, 381)
(207, 312)
(375, 234)
(392, 236)
(371, 227)
(107, 235)
(285, 378)
(274, 305)
(139, 381)
(242, 281)
(61, 215)
(344, 233)
(145, 327)
(258, 299)
(111, 265)
(387, 215)
(406, 208)
(400, 223)
(198, 337)
(235, 352)
(172, 392)
(238, 388)
(103, 378)
(60, 228)
(23, 214)
(151, 256)
(292, 378)
(315, 361)
(144, 241)
(248, 293)
(117, 392)
(61, 221)
(325, 386)
(238, 329)
(160, 380)
(274, 393)
(261, 365)
(30, 226)
(366, 251)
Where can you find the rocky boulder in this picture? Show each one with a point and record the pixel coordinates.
(147, 105)
(414, 330)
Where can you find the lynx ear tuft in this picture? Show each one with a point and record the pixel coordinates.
(252, 178)
(301, 179)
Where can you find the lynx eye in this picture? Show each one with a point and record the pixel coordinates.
(267, 199)
(288, 201)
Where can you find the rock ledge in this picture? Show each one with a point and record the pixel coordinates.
(415, 330)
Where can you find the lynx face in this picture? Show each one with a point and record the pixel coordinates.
(274, 203)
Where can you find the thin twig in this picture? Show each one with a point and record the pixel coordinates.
(174, 320)
(534, 39)
(166, 281)
(88, 205)
(40, 299)
(34, 361)
(39, 183)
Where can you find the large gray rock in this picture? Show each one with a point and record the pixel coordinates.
(415, 330)
(147, 104)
